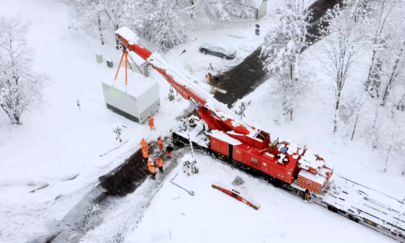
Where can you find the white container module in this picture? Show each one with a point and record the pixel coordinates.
(137, 100)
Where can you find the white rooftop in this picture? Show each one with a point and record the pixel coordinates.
(137, 83)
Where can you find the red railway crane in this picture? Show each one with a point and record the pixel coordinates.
(234, 141)
(284, 164)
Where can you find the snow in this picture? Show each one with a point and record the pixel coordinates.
(315, 178)
(212, 216)
(137, 83)
(57, 143)
(200, 139)
(128, 34)
(370, 202)
(310, 160)
(224, 137)
(229, 49)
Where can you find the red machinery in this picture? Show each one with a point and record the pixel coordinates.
(285, 165)
(234, 141)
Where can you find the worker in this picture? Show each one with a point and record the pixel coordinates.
(160, 143)
(150, 162)
(145, 154)
(159, 163)
(151, 122)
(208, 77)
(169, 151)
(152, 171)
(144, 144)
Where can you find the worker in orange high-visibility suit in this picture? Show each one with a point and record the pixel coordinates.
(159, 163)
(145, 154)
(150, 162)
(160, 143)
(153, 172)
(144, 144)
(152, 169)
(151, 122)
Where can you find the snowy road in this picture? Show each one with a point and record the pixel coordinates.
(249, 74)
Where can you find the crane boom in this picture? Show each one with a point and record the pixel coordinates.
(215, 114)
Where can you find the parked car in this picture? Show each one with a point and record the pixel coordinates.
(218, 49)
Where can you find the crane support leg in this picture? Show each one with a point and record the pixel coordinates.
(126, 68)
(118, 70)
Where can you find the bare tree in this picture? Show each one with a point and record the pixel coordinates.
(282, 50)
(395, 67)
(19, 86)
(382, 11)
(344, 40)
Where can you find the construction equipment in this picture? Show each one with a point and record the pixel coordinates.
(287, 165)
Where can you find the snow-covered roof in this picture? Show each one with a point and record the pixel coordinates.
(310, 160)
(137, 83)
(315, 178)
(128, 34)
(224, 137)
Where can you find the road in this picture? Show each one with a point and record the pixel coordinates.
(249, 74)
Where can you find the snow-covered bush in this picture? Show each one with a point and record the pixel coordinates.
(20, 87)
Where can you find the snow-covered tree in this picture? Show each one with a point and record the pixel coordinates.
(381, 12)
(344, 40)
(99, 15)
(20, 87)
(164, 23)
(225, 9)
(282, 52)
(351, 111)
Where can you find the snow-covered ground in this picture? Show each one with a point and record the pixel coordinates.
(59, 145)
(212, 216)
